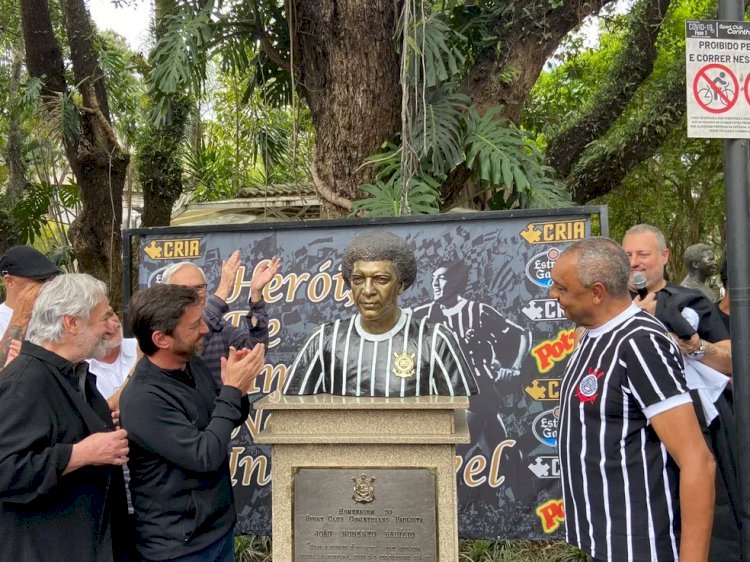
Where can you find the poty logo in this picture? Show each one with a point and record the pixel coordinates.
(171, 249)
(552, 514)
(541, 310)
(544, 389)
(546, 466)
(550, 352)
(554, 231)
(545, 426)
(539, 268)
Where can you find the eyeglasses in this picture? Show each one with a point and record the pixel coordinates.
(200, 288)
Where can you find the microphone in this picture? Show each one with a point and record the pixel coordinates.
(639, 284)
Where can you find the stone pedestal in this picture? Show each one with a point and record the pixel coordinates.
(374, 477)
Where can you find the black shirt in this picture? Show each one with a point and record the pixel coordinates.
(179, 431)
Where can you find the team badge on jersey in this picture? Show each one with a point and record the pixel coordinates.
(403, 365)
(588, 388)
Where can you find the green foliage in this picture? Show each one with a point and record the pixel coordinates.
(438, 131)
(519, 551)
(125, 87)
(30, 213)
(179, 60)
(447, 132)
(434, 47)
(209, 172)
(385, 193)
(248, 548)
(251, 548)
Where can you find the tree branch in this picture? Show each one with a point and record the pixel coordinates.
(604, 163)
(631, 67)
(505, 75)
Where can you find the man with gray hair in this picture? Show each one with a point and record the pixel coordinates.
(383, 350)
(636, 474)
(222, 334)
(62, 495)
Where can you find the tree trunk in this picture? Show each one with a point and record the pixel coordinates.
(349, 76)
(159, 165)
(504, 73)
(96, 158)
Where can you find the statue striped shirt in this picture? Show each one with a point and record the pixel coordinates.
(414, 358)
(620, 486)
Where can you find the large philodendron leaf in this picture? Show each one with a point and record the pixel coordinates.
(502, 156)
(439, 43)
(178, 63)
(438, 132)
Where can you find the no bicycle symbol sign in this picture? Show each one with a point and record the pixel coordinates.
(716, 88)
(718, 71)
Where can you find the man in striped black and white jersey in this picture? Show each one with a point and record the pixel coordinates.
(637, 475)
(383, 350)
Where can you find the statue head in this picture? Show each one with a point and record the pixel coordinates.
(378, 266)
(700, 260)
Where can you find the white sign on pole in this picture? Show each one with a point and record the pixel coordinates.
(718, 76)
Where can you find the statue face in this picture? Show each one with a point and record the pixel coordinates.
(375, 289)
(707, 265)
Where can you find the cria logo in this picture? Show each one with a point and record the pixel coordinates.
(554, 231)
(545, 426)
(550, 352)
(539, 268)
(552, 514)
(543, 310)
(544, 389)
(171, 249)
(546, 466)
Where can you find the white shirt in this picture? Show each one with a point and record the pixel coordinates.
(110, 376)
(5, 315)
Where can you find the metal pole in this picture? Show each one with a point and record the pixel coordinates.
(738, 253)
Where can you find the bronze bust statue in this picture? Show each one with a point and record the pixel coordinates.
(701, 264)
(382, 350)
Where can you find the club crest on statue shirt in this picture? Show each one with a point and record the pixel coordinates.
(403, 365)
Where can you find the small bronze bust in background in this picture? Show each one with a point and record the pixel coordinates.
(382, 350)
(701, 264)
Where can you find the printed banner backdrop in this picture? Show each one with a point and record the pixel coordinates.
(516, 338)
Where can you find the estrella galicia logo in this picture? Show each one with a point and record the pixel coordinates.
(539, 267)
(545, 426)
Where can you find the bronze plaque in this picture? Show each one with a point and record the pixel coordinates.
(364, 514)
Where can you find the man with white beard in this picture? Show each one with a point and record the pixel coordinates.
(120, 357)
(62, 495)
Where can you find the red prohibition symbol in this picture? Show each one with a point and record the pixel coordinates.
(716, 88)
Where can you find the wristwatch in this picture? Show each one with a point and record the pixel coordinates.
(699, 352)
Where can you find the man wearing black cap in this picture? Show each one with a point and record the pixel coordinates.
(24, 270)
